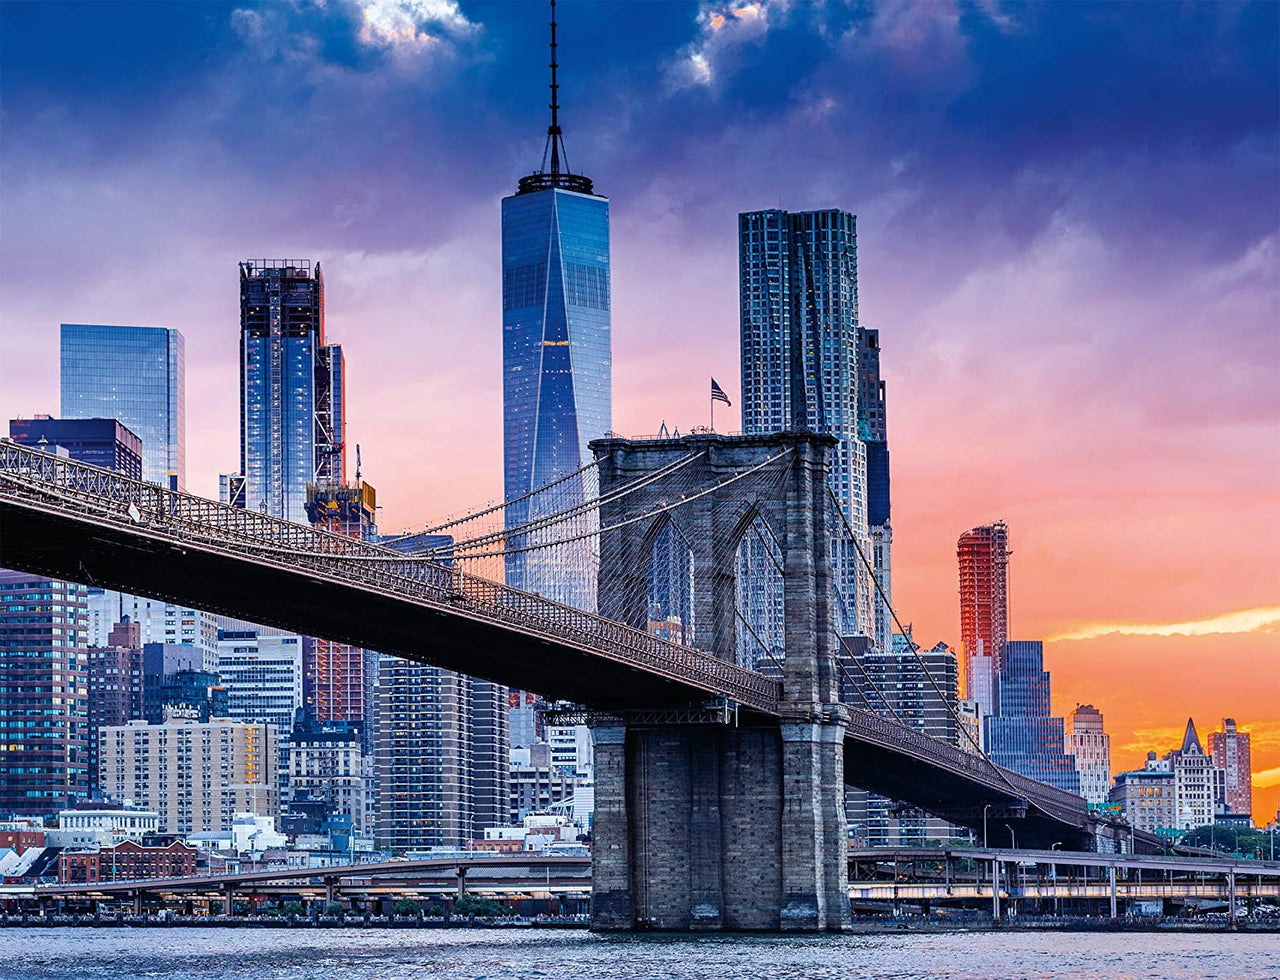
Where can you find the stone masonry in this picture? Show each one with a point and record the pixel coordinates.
(725, 826)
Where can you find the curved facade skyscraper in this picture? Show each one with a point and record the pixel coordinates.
(557, 360)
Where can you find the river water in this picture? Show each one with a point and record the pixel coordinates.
(295, 954)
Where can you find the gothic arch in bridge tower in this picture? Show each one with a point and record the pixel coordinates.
(670, 584)
(758, 594)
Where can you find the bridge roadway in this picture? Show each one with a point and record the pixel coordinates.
(891, 875)
(84, 524)
(343, 878)
(896, 875)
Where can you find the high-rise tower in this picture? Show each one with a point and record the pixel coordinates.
(983, 555)
(1230, 751)
(292, 388)
(798, 277)
(873, 430)
(136, 375)
(556, 348)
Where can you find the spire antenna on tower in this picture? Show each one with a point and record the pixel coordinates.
(553, 131)
(555, 170)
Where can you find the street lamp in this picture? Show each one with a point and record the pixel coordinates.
(1013, 838)
(984, 825)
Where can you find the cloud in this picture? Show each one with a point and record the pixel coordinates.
(721, 28)
(412, 25)
(1267, 778)
(1261, 620)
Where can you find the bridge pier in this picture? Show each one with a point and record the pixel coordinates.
(718, 827)
(708, 826)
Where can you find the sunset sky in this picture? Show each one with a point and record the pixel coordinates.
(1069, 227)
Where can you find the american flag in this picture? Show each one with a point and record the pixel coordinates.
(718, 395)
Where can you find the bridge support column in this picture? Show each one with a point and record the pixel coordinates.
(995, 892)
(815, 868)
(716, 827)
(137, 903)
(611, 906)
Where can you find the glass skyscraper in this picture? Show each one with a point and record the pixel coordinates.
(292, 418)
(138, 376)
(557, 356)
(798, 280)
(1023, 736)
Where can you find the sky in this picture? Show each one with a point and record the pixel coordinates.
(1068, 217)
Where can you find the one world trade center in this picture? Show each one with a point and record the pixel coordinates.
(556, 364)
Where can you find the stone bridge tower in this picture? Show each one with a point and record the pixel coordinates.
(738, 824)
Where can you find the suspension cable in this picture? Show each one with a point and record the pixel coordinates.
(662, 508)
(465, 518)
(574, 510)
(763, 646)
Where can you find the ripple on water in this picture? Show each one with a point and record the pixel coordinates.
(284, 954)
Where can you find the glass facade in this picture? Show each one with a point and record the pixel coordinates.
(557, 367)
(291, 388)
(138, 376)
(798, 282)
(1024, 737)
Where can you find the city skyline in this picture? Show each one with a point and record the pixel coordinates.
(1181, 533)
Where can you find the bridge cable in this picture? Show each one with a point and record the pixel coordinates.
(573, 510)
(466, 518)
(662, 508)
(916, 653)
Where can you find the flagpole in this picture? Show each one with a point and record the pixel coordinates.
(713, 413)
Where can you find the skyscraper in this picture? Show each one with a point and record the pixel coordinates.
(557, 356)
(1090, 746)
(1023, 736)
(873, 430)
(1230, 751)
(983, 555)
(138, 376)
(44, 727)
(798, 279)
(423, 757)
(292, 388)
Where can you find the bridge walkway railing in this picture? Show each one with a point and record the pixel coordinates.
(82, 490)
(867, 726)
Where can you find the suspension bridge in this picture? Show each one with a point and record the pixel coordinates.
(688, 598)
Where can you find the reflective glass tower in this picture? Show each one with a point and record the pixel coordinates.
(1024, 737)
(291, 388)
(798, 287)
(557, 356)
(136, 375)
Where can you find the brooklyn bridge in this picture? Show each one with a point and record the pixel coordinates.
(720, 775)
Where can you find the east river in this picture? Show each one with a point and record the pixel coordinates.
(352, 954)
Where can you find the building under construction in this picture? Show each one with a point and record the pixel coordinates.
(983, 555)
(334, 673)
